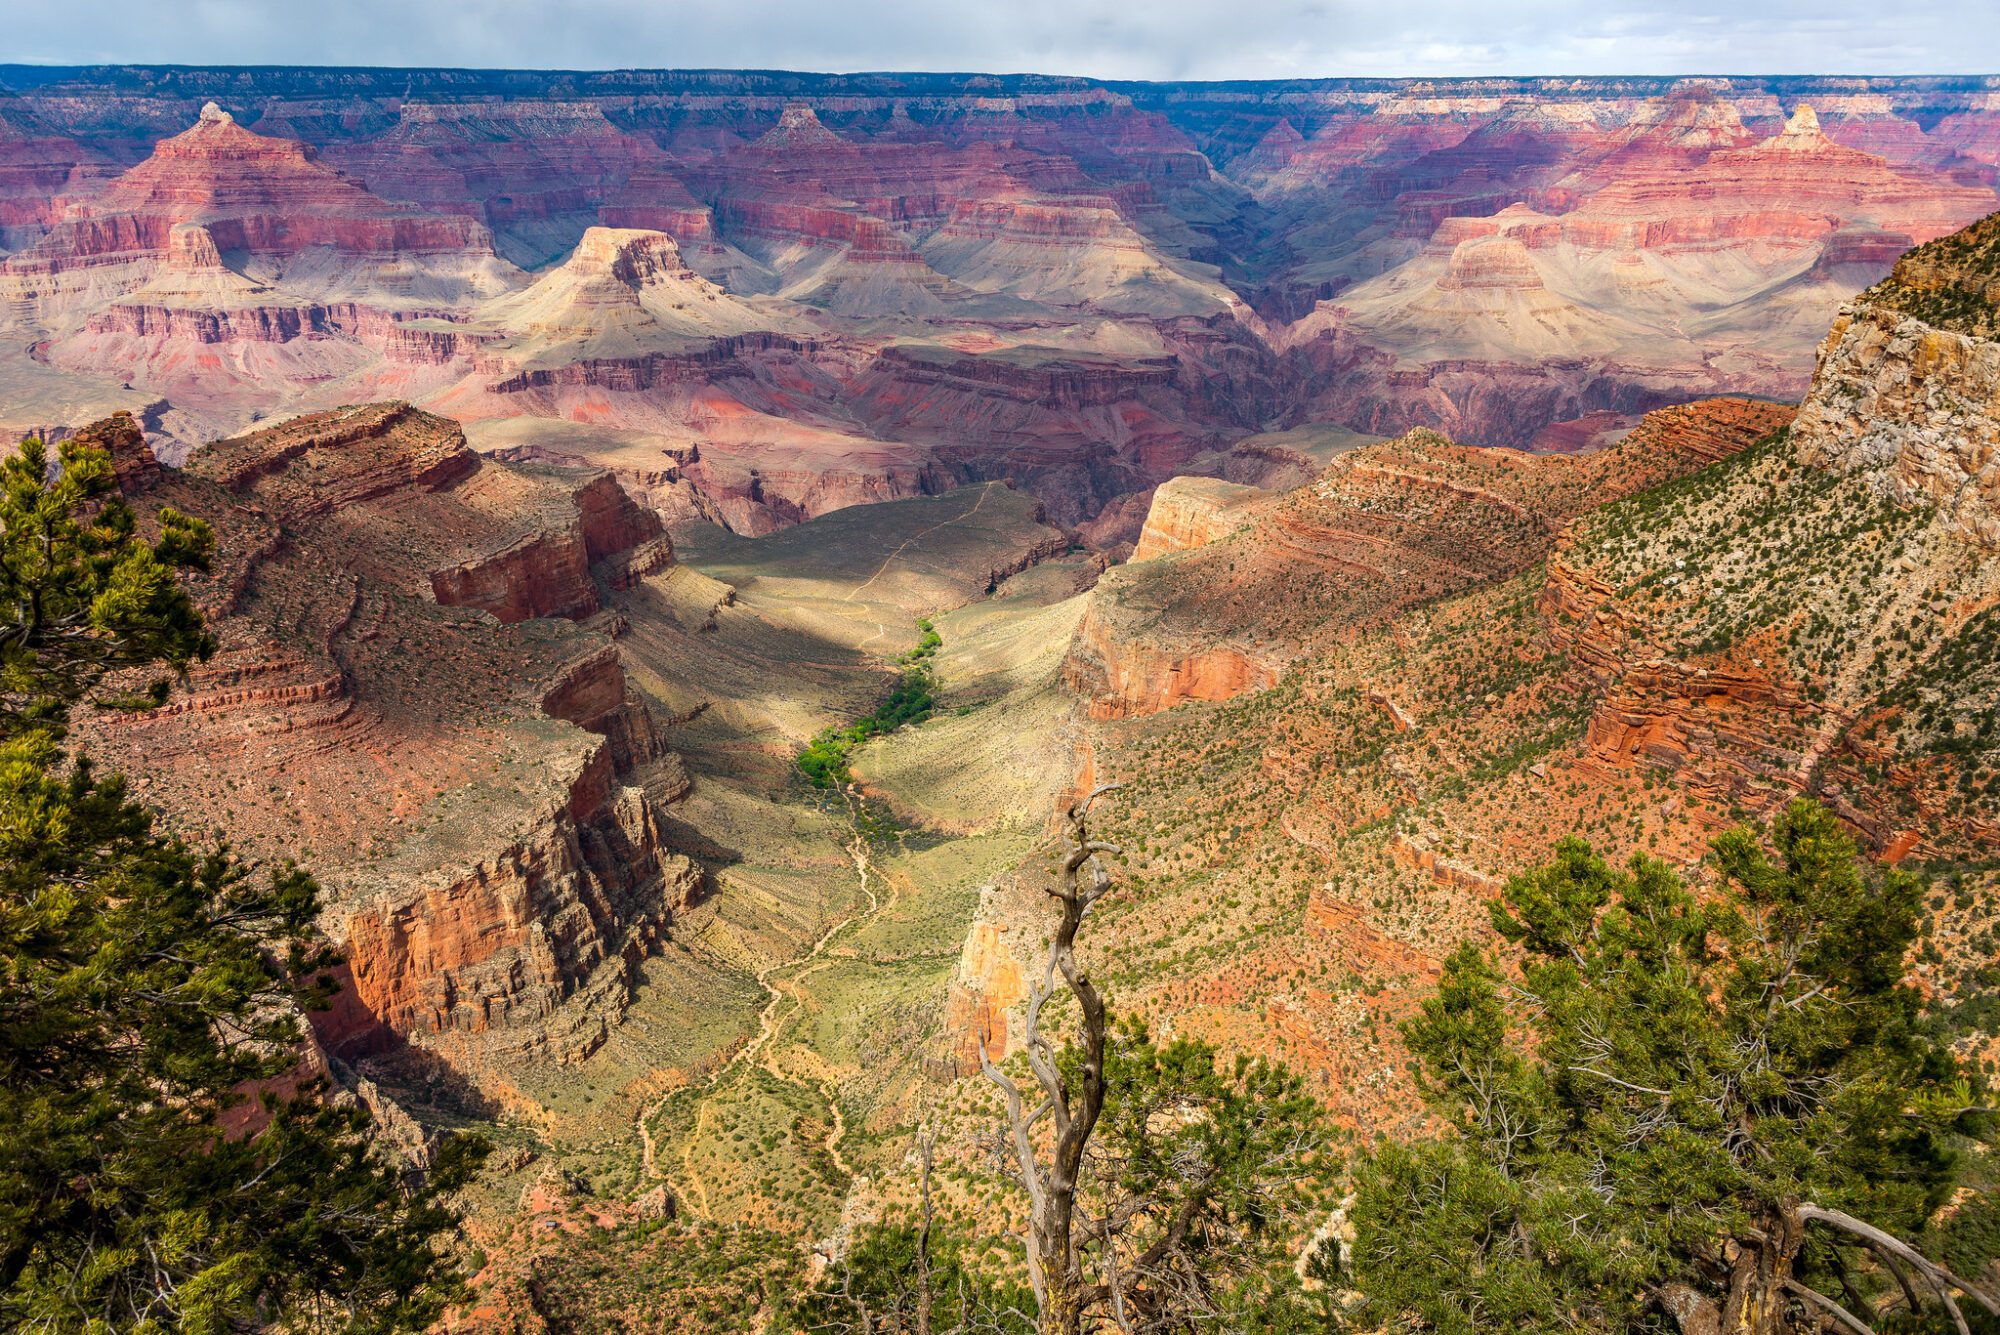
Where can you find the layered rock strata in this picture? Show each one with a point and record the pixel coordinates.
(1382, 528)
(475, 785)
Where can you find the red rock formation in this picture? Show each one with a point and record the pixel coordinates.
(536, 171)
(1731, 730)
(988, 983)
(1382, 528)
(552, 572)
(1785, 678)
(37, 167)
(1123, 676)
(1191, 512)
(358, 455)
(1497, 255)
(478, 798)
(1797, 186)
(252, 193)
(134, 465)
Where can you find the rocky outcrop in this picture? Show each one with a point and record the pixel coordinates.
(1191, 512)
(1381, 529)
(562, 914)
(478, 794)
(1952, 283)
(1124, 676)
(1817, 618)
(987, 984)
(133, 463)
(556, 572)
(538, 575)
(593, 694)
(1733, 731)
(1917, 407)
(358, 455)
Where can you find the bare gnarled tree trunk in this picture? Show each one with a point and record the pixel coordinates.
(1765, 1296)
(1055, 1258)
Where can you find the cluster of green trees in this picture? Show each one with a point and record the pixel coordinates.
(1728, 1111)
(1717, 1114)
(913, 698)
(152, 993)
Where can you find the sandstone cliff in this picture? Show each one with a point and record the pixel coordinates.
(1818, 616)
(1191, 512)
(476, 789)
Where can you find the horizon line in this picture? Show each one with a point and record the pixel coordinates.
(1991, 76)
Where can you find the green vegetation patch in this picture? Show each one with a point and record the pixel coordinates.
(824, 761)
(1951, 283)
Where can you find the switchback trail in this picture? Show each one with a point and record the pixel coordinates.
(913, 540)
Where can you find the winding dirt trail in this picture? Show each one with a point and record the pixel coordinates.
(911, 541)
(769, 1022)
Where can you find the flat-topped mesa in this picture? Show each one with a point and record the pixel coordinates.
(477, 797)
(357, 454)
(1496, 262)
(423, 511)
(191, 248)
(635, 258)
(1191, 512)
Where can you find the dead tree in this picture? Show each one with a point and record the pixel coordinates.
(1072, 1107)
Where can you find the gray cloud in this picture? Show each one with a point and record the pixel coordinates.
(1149, 39)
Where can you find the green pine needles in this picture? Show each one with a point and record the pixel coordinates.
(1671, 1110)
(169, 1159)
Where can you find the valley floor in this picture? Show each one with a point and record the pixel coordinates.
(773, 1061)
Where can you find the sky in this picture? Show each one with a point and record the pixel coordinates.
(1110, 39)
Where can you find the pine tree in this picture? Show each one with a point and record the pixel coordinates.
(167, 1163)
(1727, 1114)
(81, 595)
